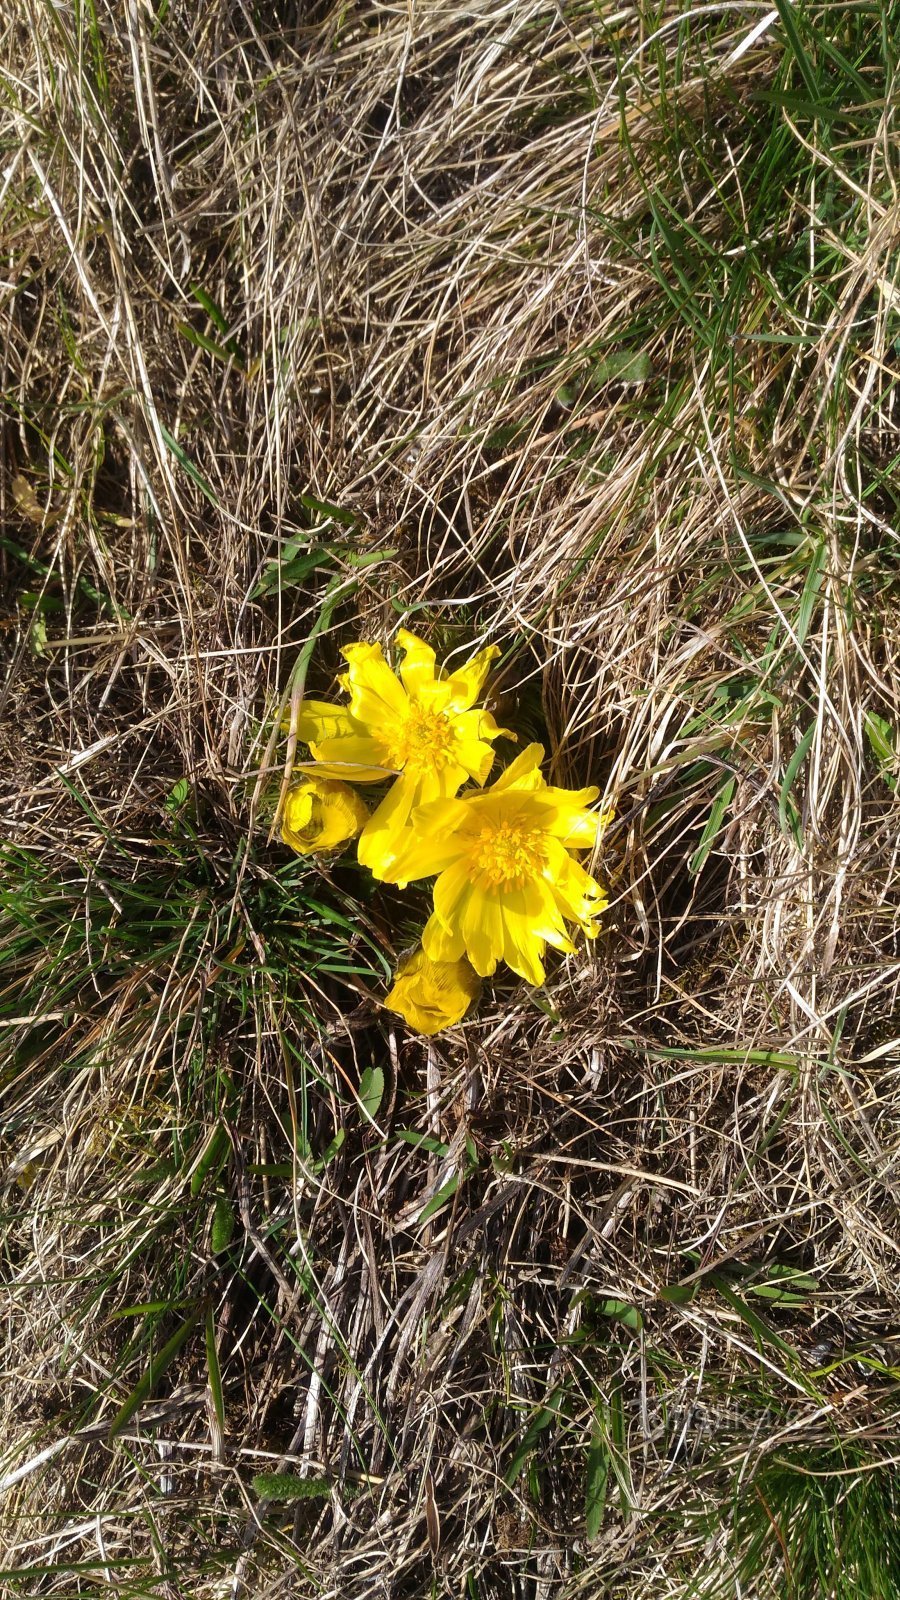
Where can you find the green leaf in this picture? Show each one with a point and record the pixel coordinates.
(790, 1288)
(504, 436)
(710, 833)
(178, 794)
(595, 1481)
(222, 1230)
(368, 558)
(331, 1150)
(535, 1428)
(154, 1372)
(287, 573)
(205, 300)
(728, 1055)
(802, 107)
(882, 739)
(348, 519)
(214, 1371)
(788, 815)
(37, 635)
(811, 591)
(148, 1307)
(371, 1091)
(621, 1311)
(678, 1294)
(760, 1329)
(213, 1158)
(422, 1141)
(188, 465)
(212, 348)
(440, 1199)
(286, 1486)
(785, 9)
(620, 366)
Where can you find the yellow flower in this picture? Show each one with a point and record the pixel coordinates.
(320, 815)
(432, 995)
(507, 882)
(419, 727)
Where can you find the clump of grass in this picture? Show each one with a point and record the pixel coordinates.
(574, 330)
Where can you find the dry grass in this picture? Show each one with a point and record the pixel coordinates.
(574, 328)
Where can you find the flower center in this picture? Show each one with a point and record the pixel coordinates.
(422, 741)
(508, 853)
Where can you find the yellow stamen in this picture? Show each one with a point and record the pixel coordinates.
(508, 853)
(422, 741)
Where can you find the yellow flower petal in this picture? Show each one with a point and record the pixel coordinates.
(483, 933)
(440, 944)
(319, 720)
(417, 670)
(377, 697)
(320, 815)
(472, 730)
(432, 994)
(522, 945)
(573, 823)
(354, 749)
(524, 772)
(430, 844)
(467, 682)
(384, 829)
(451, 892)
(579, 896)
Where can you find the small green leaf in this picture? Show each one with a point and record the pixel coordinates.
(214, 1371)
(330, 1151)
(212, 348)
(185, 461)
(536, 1426)
(784, 1286)
(205, 300)
(760, 1329)
(621, 1311)
(713, 824)
(785, 11)
(596, 1479)
(811, 591)
(286, 1486)
(155, 1369)
(371, 1091)
(440, 1199)
(882, 739)
(678, 1294)
(620, 366)
(148, 1307)
(212, 1159)
(369, 558)
(788, 815)
(422, 1141)
(288, 572)
(502, 437)
(222, 1230)
(325, 508)
(37, 635)
(178, 794)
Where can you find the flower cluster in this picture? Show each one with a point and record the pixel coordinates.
(507, 881)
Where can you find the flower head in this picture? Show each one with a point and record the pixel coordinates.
(507, 882)
(432, 995)
(421, 727)
(320, 815)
